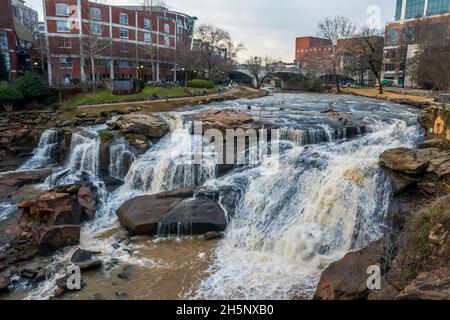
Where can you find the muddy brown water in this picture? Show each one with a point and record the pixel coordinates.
(180, 265)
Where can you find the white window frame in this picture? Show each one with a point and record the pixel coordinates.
(124, 30)
(122, 18)
(66, 29)
(167, 41)
(147, 23)
(63, 40)
(95, 13)
(94, 30)
(67, 65)
(167, 28)
(62, 10)
(147, 37)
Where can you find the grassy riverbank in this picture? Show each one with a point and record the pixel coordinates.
(396, 97)
(106, 96)
(165, 105)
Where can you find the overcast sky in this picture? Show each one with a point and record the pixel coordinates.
(271, 26)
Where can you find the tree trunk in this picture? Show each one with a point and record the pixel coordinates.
(93, 75)
(60, 95)
(336, 80)
(185, 78)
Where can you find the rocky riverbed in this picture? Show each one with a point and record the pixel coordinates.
(122, 199)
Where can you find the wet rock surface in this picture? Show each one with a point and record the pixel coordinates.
(173, 213)
(146, 124)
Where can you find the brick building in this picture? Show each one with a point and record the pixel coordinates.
(131, 41)
(401, 38)
(310, 51)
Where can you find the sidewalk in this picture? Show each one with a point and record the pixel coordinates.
(417, 101)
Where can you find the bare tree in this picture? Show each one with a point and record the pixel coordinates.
(94, 45)
(367, 47)
(261, 69)
(334, 29)
(150, 9)
(216, 47)
(187, 59)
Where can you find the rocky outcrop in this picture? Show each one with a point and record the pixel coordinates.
(67, 205)
(49, 239)
(346, 279)
(225, 119)
(146, 124)
(433, 285)
(19, 136)
(437, 123)
(10, 183)
(172, 213)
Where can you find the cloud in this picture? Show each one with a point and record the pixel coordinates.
(267, 26)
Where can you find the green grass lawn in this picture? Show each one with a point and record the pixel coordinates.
(106, 96)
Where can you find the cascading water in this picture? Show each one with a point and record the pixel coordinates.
(295, 218)
(43, 154)
(120, 157)
(83, 160)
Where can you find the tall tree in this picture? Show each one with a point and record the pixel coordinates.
(216, 47)
(151, 50)
(334, 29)
(368, 47)
(261, 69)
(93, 42)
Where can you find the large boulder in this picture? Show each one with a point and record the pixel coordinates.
(70, 204)
(414, 162)
(52, 238)
(433, 285)
(16, 143)
(171, 212)
(149, 125)
(11, 182)
(141, 215)
(346, 279)
(194, 216)
(224, 119)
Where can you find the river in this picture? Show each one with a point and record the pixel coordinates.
(325, 196)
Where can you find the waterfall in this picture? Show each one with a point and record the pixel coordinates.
(120, 155)
(293, 219)
(6, 210)
(83, 159)
(43, 154)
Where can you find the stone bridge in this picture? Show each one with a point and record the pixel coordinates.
(284, 74)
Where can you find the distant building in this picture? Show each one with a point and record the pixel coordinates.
(401, 35)
(27, 16)
(16, 40)
(311, 52)
(141, 44)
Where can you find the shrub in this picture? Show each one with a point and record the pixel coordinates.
(106, 136)
(8, 95)
(200, 83)
(32, 86)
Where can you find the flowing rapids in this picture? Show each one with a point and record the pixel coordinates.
(294, 218)
(289, 217)
(43, 155)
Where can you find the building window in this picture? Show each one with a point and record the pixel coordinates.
(147, 37)
(414, 9)
(147, 23)
(123, 33)
(4, 40)
(392, 37)
(7, 61)
(123, 18)
(167, 41)
(65, 62)
(96, 29)
(96, 13)
(398, 10)
(65, 43)
(123, 64)
(123, 47)
(438, 7)
(166, 28)
(62, 26)
(62, 9)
